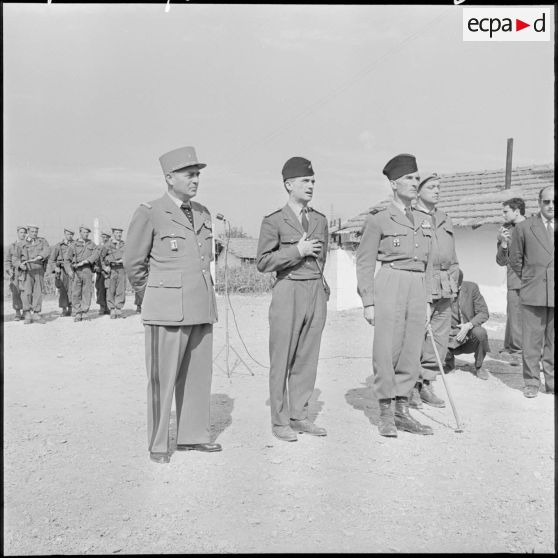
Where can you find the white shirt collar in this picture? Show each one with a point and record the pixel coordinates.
(176, 201)
(545, 221)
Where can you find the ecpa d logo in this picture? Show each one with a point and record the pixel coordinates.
(507, 24)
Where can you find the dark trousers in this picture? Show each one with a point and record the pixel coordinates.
(17, 303)
(477, 342)
(138, 297)
(179, 362)
(82, 288)
(440, 322)
(33, 290)
(297, 316)
(512, 337)
(101, 290)
(116, 292)
(63, 284)
(538, 345)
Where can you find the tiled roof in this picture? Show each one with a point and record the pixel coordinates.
(474, 198)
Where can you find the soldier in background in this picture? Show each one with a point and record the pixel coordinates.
(12, 271)
(62, 278)
(395, 299)
(32, 258)
(445, 275)
(80, 258)
(102, 275)
(114, 257)
(514, 213)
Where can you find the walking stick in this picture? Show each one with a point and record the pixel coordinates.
(443, 374)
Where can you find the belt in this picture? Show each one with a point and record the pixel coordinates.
(399, 267)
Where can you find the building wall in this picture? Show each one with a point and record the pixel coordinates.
(476, 253)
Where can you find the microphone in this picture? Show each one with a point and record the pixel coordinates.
(220, 216)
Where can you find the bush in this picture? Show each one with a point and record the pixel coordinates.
(244, 279)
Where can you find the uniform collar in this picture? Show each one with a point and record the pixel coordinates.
(178, 202)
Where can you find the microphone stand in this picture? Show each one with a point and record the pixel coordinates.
(227, 346)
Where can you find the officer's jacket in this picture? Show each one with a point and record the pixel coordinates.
(503, 259)
(58, 254)
(170, 259)
(29, 249)
(532, 258)
(277, 246)
(445, 267)
(81, 250)
(114, 251)
(389, 237)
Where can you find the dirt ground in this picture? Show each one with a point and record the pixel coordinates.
(78, 480)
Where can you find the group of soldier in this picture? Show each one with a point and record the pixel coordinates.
(73, 263)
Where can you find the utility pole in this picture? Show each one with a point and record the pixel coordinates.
(509, 154)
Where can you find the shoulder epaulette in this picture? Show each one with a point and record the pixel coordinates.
(273, 212)
(318, 212)
(376, 210)
(149, 206)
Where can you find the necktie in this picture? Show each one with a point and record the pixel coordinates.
(304, 220)
(409, 214)
(187, 210)
(550, 232)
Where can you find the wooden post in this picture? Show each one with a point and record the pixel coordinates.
(509, 164)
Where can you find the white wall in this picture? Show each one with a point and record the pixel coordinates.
(476, 252)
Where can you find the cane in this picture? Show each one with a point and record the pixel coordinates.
(446, 386)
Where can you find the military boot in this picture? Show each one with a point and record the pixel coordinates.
(386, 424)
(39, 319)
(404, 420)
(27, 316)
(77, 317)
(113, 314)
(429, 397)
(415, 401)
(17, 316)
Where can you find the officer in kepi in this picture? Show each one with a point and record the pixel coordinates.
(293, 244)
(114, 260)
(80, 258)
(32, 258)
(168, 252)
(395, 300)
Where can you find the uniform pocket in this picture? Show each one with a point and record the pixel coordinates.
(172, 243)
(163, 297)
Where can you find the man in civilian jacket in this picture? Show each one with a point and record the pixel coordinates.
(468, 313)
(532, 258)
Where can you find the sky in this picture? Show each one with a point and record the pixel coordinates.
(94, 94)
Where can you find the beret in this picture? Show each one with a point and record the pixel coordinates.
(84, 227)
(427, 177)
(24, 227)
(400, 165)
(296, 167)
(117, 229)
(32, 227)
(69, 230)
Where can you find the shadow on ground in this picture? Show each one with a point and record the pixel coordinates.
(315, 406)
(221, 417)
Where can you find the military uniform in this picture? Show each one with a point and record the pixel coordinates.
(33, 276)
(82, 285)
(400, 239)
(116, 292)
(298, 309)
(169, 257)
(101, 278)
(445, 275)
(62, 279)
(13, 273)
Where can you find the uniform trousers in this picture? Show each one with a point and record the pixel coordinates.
(538, 345)
(17, 303)
(138, 297)
(116, 292)
(514, 330)
(297, 316)
(33, 289)
(477, 342)
(63, 284)
(400, 317)
(82, 289)
(440, 321)
(178, 360)
(101, 290)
